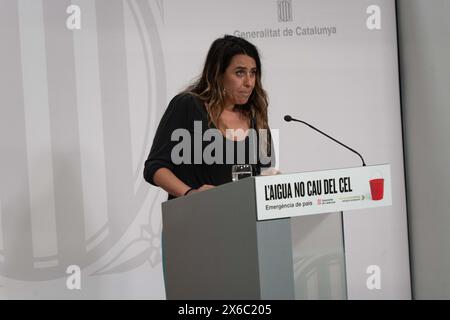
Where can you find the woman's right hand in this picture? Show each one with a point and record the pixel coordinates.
(202, 188)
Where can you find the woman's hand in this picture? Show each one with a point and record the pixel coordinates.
(202, 188)
(270, 172)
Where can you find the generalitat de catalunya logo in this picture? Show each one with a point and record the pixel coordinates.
(284, 10)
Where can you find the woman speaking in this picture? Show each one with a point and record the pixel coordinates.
(229, 98)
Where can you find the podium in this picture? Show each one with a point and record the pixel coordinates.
(234, 241)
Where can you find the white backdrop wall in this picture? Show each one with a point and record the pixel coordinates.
(425, 71)
(79, 108)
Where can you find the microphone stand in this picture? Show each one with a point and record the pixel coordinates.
(288, 118)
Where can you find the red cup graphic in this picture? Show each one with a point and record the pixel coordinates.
(377, 188)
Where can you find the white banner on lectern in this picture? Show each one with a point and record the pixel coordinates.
(290, 195)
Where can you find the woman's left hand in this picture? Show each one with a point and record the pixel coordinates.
(270, 172)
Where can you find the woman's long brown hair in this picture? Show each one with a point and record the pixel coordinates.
(209, 87)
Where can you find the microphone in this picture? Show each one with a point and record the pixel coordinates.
(288, 118)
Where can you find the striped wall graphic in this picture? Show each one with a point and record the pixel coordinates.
(77, 113)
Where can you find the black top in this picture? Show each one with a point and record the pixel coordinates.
(181, 113)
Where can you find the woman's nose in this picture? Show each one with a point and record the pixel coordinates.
(248, 80)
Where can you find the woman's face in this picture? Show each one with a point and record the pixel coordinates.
(239, 80)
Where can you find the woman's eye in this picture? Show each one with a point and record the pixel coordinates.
(241, 73)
